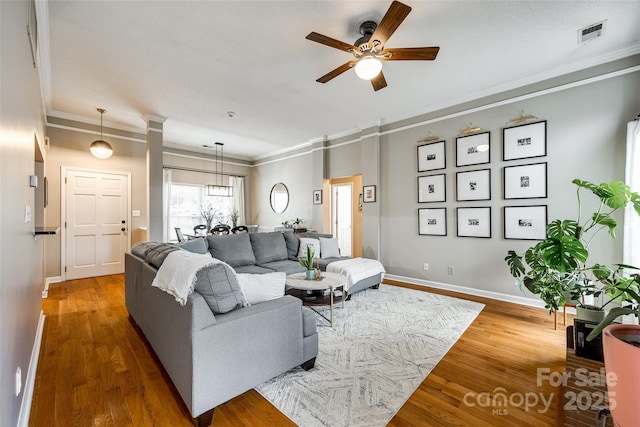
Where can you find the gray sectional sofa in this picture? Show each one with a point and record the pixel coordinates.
(213, 348)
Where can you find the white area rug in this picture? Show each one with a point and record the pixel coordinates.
(384, 344)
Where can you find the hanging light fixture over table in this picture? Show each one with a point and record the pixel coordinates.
(99, 148)
(218, 189)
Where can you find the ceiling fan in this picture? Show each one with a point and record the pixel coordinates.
(369, 49)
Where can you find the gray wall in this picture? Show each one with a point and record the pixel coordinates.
(70, 148)
(586, 133)
(21, 265)
(296, 174)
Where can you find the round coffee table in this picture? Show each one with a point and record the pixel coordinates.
(317, 292)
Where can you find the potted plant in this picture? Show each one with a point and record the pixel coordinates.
(208, 214)
(557, 267)
(621, 348)
(308, 264)
(234, 215)
(297, 225)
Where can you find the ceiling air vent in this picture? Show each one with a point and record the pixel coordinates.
(591, 32)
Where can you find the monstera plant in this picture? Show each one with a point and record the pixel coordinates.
(558, 268)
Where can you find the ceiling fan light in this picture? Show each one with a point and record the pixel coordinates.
(101, 149)
(368, 67)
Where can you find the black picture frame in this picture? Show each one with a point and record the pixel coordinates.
(473, 149)
(525, 181)
(432, 156)
(432, 188)
(432, 221)
(525, 222)
(474, 222)
(369, 194)
(473, 185)
(524, 141)
(317, 197)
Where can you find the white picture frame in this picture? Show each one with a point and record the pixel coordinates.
(525, 181)
(524, 141)
(525, 222)
(432, 221)
(473, 185)
(473, 149)
(432, 156)
(432, 188)
(474, 222)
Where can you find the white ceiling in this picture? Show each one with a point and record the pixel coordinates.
(193, 61)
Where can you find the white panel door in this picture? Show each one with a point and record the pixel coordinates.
(343, 217)
(96, 223)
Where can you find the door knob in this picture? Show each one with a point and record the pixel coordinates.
(123, 229)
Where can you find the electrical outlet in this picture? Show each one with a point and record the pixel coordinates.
(18, 381)
(27, 213)
(451, 270)
(425, 266)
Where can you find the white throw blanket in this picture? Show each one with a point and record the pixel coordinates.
(356, 269)
(177, 274)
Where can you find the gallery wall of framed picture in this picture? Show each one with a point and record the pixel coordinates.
(520, 181)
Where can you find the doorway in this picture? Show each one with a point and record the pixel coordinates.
(343, 217)
(96, 222)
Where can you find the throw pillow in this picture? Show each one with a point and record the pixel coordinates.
(258, 288)
(315, 247)
(293, 245)
(329, 248)
(218, 286)
(198, 246)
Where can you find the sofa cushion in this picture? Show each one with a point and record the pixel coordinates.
(329, 248)
(219, 287)
(286, 266)
(157, 254)
(258, 288)
(293, 244)
(252, 269)
(268, 247)
(234, 249)
(313, 243)
(198, 246)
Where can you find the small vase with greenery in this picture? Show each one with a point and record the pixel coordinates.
(557, 268)
(208, 213)
(308, 263)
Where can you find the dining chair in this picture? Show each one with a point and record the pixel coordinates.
(240, 229)
(179, 234)
(220, 230)
(200, 229)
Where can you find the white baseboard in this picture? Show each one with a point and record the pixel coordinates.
(468, 291)
(27, 397)
(47, 282)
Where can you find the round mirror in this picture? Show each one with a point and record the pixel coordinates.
(279, 198)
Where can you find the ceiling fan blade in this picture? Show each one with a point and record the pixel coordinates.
(378, 82)
(335, 73)
(328, 41)
(390, 22)
(411, 54)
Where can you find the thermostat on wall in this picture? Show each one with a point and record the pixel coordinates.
(33, 181)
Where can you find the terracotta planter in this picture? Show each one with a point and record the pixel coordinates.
(623, 360)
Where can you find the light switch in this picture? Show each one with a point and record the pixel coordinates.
(135, 212)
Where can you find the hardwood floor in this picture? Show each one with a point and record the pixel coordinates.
(96, 369)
